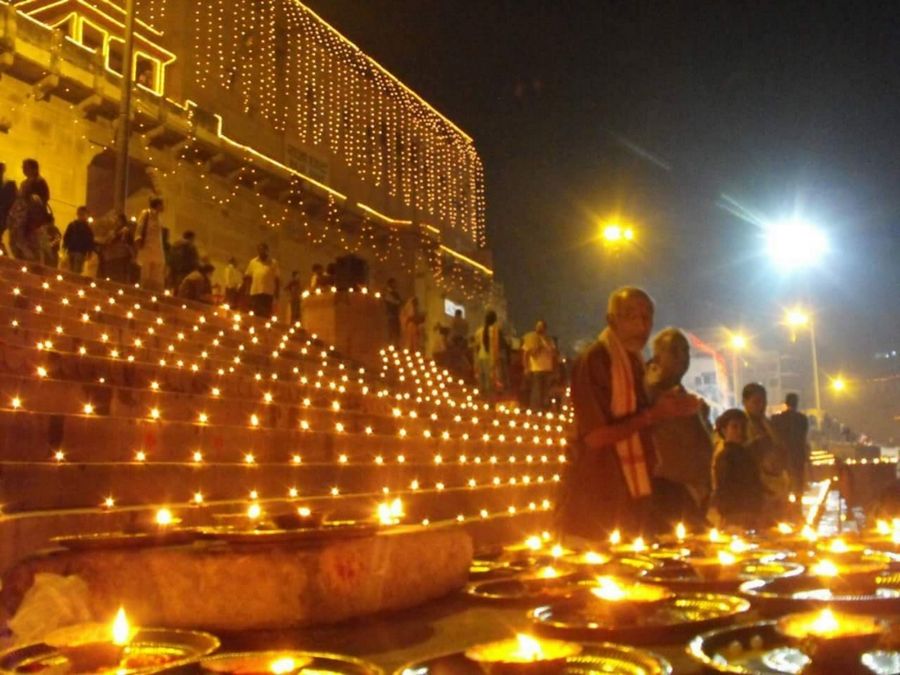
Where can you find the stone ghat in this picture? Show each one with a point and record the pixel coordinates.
(228, 587)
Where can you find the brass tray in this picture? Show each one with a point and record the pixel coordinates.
(523, 591)
(679, 618)
(596, 658)
(758, 649)
(176, 649)
(111, 540)
(682, 577)
(318, 662)
(793, 594)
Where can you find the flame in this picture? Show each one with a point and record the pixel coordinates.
(283, 665)
(548, 572)
(529, 648)
(254, 511)
(882, 528)
(390, 513)
(608, 589)
(615, 538)
(895, 537)
(824, 568)
(784, 528)
(121, 631)
(808, 533)
(534, 543)
(838, 546)
(738, 545)
(825, 622)
(680, 531)
(714, 536)
(556, 551)
(726, 558)
(164, 517)
(594, 558)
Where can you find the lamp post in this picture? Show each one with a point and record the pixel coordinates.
(798, 318)
(123, 129)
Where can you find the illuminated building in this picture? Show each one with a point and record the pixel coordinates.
(255, 121)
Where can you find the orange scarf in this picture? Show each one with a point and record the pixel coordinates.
(631, 453)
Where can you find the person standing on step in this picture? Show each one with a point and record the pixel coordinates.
(233, 281)
(8, 192)
(78, 241)
(183, 258)
(149, 242)
(264, 279)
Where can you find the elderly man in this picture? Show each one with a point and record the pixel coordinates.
(607, 481)
(681, 479)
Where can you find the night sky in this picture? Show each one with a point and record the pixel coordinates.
(667, 113)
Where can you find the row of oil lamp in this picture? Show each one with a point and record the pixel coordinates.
(115, 354)
(421, 361)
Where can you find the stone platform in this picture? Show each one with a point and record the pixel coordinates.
(224, 587)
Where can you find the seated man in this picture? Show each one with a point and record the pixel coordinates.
(197, 286)
(683, 445)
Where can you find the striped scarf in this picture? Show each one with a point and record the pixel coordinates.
(631, 453)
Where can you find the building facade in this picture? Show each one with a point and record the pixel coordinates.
(256, 121)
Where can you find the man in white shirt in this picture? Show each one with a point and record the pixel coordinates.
(539, 355)
(265, 282)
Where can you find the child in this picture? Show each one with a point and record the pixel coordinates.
(737, 489)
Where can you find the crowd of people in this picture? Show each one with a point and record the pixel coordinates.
(644, 454)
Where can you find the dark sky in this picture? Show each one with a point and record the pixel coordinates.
(657, 110)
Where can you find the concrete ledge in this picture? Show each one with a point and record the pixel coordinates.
(219, 587)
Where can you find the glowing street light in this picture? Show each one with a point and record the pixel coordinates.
(795, 244)
(800, 318)
(838, 384)
(615, 234)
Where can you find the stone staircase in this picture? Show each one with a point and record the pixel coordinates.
(115, 402)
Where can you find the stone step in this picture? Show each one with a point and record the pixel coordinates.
(131, 337)
(46, 486)
(64, 361)
(68, 397)
(26, 436)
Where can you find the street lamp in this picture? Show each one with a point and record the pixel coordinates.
(799, 318)
(794, 244)
(838, 384)
(615, 234)
(738, 343)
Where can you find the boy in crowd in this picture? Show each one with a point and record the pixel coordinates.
(738, 492)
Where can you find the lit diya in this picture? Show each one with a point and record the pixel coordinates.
(625, 601)
(257, 663)
(93, 646)
(840, 549)
(523, 654)
(835, 575)
(587, 559)
(724, 566)
(832, 638)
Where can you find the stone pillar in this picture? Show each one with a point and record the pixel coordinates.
(354, 322)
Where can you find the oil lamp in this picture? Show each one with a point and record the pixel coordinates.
(832, 638)
(724, 566)
(93, 646)
(257, 663)
(523, 654)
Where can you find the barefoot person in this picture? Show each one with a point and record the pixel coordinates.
(607, 479)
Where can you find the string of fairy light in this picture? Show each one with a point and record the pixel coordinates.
(504, 448)
(334, 97)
